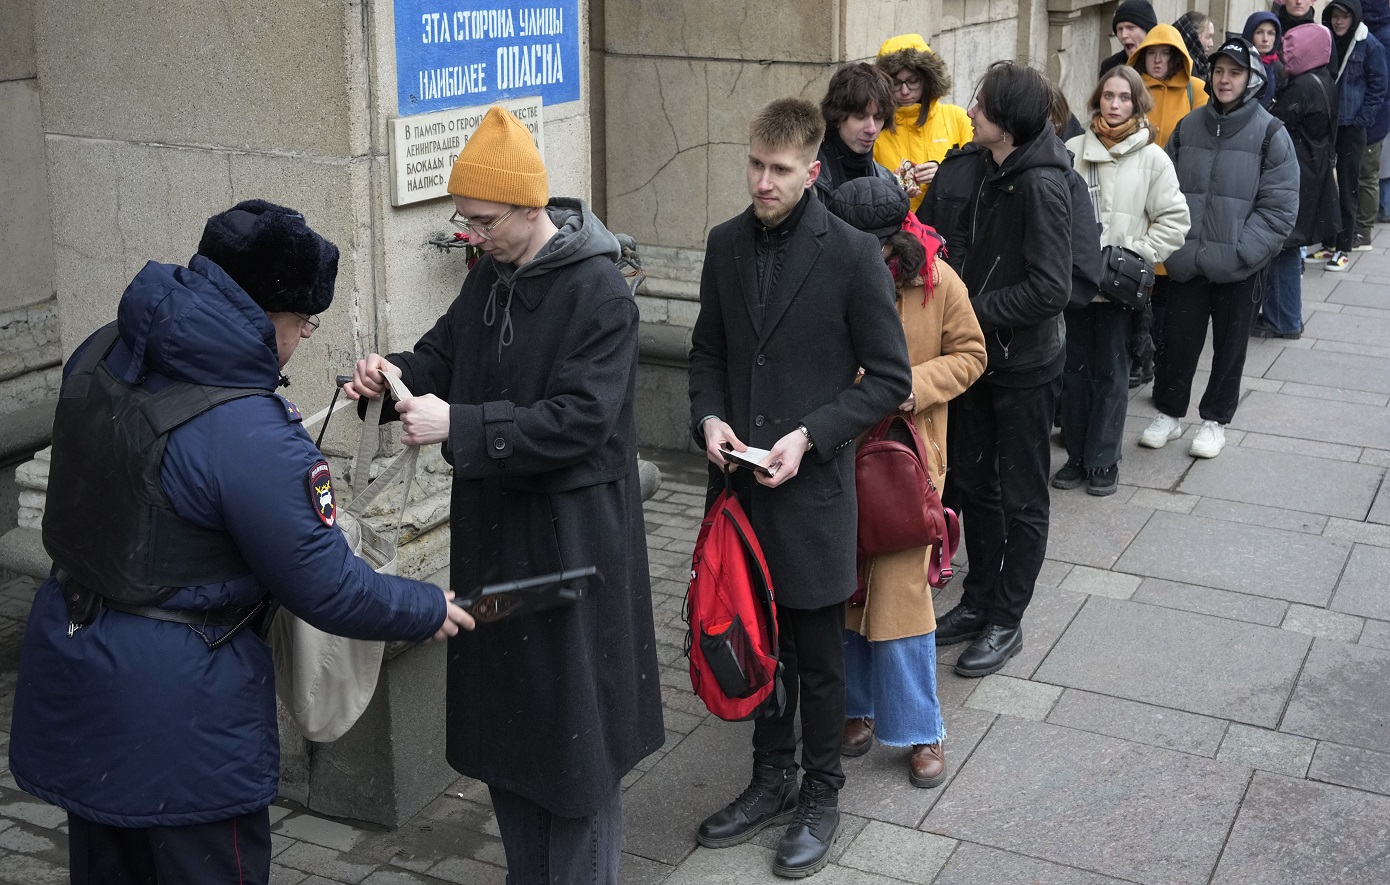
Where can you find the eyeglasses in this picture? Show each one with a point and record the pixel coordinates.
(910, 83)
(468, 226)
(312, 320)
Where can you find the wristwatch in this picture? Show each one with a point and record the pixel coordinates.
(810, 444)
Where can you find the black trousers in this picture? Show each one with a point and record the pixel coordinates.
(236, 850)
(1351, 146)
(811, 642)
(1095, 384)
(1231, 307)
(544, 848)
(1003, 456)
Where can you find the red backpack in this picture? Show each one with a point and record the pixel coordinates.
(732, 618)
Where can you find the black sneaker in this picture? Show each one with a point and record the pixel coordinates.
(770, 799)
(1103, 481)
(805, 847)
(1070, 476)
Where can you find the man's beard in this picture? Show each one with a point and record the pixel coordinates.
(771, 217)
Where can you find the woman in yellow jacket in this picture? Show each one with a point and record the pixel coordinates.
(1166, 68)
(926, 127)
(890, 641)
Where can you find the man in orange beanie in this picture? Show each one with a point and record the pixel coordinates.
(529, 381)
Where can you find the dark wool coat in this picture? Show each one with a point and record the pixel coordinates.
(832, 311)
(557, 705)
(1307, 103)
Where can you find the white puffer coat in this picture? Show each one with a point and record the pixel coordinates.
(1134, 189)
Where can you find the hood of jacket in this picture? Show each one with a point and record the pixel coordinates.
(581, 235)
(1164, 35)
(195, 324)
(1045, 149)
(910, 51)
(1254, 84)
(1306, 48)
(1258, 18)
(1355, 34)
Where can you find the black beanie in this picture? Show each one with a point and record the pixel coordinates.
(271, 252)
(874, 205)
(1136, 12)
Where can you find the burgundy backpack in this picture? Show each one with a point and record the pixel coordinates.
(732, 617)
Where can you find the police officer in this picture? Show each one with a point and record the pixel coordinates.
(184, 497)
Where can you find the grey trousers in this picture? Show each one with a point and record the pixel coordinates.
(544, 848)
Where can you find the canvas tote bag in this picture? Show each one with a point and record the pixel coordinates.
(326, 681)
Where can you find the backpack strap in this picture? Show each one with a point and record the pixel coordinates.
(1275, 124)
(1189, 94)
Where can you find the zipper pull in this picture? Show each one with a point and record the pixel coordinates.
(73, 628)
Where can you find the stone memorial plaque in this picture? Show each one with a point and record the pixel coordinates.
(424, 146)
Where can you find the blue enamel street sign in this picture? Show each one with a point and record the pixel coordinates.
(469, 53)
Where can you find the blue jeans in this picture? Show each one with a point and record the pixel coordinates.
(1385, 194)
(1281, 307)
(893, 682)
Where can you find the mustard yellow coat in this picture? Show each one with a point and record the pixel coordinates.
(947, 127)
(1175, 97)
(947, 352)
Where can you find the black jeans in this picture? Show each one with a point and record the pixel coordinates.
(1351, 145)
(1001, 474)
(1095, 385)
(811, 643)
(233, 850)
(1231, 308)
(544, 848)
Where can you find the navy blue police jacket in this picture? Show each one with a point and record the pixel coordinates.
(134, 722)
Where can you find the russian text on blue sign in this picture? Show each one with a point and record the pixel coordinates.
(458, 53)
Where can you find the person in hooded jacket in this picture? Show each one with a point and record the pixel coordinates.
(1163, 62)
(1376, 16)
(1237, 167)
(1134, 190)
(145, 710)
(1018, 269)
(927, 127)
(890, 646)
(1358, 66)
(1265, 33)
(528, 380)
(1307, 105)
(1199, 34)
(1131, 23)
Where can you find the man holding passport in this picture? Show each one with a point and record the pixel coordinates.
(793, 302)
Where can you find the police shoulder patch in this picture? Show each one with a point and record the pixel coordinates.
(320, 485)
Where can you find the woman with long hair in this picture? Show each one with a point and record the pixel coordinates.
(1134, 190)
(890, 641)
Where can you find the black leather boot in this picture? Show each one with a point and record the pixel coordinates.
(990, 652)
(805, 848)
(959, 624)
(769, 799)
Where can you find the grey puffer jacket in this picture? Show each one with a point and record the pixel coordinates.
(1243, 206)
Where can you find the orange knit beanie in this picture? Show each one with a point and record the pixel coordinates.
(500, 164)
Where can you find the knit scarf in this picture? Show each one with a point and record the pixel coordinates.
(1113, 135)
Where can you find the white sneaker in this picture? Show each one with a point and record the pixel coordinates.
(1209, 441)
(1159, 431)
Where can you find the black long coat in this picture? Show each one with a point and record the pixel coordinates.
(556, 706)
(832, 311)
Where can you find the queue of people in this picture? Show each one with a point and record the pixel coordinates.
(877, 270)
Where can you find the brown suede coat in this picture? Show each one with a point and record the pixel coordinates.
(947, 352)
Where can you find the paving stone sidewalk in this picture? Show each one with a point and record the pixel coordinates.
(1203, 694)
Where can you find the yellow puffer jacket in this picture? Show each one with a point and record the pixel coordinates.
(1176, 96)
(946, 125)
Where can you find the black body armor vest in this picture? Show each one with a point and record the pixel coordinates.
(107, 521)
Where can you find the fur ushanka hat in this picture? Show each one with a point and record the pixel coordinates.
(273, 254)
